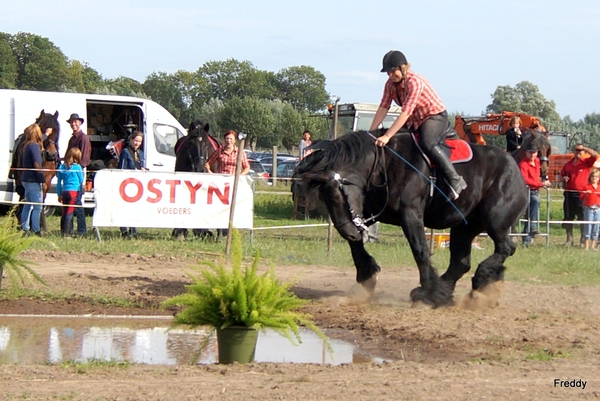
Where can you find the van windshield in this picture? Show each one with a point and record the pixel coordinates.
(165, 137)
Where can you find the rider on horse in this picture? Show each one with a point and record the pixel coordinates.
(422, 111)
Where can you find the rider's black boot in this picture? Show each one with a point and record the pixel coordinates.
(457, 183)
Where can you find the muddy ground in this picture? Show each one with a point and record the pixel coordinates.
(513, 350)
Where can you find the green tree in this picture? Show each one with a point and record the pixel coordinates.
(164, 89)
(81, 78)
(210, 112)
(251, 116)
(42, 65)
(231, 78)
(9, 68)
(291, 123)
(525, 97)
(303, 87)
(125, 86)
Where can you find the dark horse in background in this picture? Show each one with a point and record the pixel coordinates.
(191, 154)
(50, 157)
(356, 180)
(543, 145)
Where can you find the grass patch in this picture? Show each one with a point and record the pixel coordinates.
(545, 354)
(308, 245)
(93, 363)
(92, 299)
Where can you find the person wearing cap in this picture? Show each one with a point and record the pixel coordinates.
(82, 142)
(531, 171)
(574, 175)
(422, 111)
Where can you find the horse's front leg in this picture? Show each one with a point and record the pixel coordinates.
(366, 267)
(432, 291)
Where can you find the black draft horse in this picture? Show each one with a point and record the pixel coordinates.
(50, 128)
(191, 154)
(356, 179)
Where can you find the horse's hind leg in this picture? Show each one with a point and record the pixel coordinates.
(461, 238)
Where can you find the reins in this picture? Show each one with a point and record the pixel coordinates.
(430, 181)
(357, 218)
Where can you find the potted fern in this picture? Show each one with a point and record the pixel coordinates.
(12, 243)
(239, 302)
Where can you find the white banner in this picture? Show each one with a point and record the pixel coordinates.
(128, 198)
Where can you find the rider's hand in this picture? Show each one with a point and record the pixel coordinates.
(382, 141)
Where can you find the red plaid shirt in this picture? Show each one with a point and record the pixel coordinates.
(416, 97)
(227, 161)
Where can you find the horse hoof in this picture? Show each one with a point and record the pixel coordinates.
(421, 305)
(370, 283)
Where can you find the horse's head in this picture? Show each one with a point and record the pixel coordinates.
(51, 132)
(544, 147)
(196, 148)
(340, 171)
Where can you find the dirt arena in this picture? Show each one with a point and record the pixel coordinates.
(537, 341)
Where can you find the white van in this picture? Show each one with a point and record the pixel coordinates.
(106, 118)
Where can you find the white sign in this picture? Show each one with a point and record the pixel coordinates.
(133, 198)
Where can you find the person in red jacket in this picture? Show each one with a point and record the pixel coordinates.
(531, 171)
(591, 208)
(575, 174)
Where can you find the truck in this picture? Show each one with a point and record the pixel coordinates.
(107, 118)
(359, 116)
(473, 128)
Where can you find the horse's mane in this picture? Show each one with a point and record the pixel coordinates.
(538, 140)
(347, 150)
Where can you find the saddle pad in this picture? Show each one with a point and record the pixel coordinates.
(460, 151)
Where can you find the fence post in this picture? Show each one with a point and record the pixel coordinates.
(238, 167)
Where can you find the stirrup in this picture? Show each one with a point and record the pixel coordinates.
(460, 186)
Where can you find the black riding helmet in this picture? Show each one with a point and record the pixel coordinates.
(392, 60)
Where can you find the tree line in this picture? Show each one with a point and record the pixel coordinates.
(273, 108)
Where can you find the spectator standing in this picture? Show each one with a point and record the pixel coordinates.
(531, 171)
(304, 143)
(132, 158)
(591, 208)
(68, 187)
(32, 179)
(226, 159)
(575, 175)
(515, 136)
(81, 141)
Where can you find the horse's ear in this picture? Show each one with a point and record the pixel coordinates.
(206, 128)
(55, 114)
(42, 114)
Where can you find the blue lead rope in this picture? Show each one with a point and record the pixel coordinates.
(424, 176)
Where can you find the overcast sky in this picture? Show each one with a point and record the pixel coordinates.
(465, 48)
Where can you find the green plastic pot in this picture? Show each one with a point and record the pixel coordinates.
(236, 344)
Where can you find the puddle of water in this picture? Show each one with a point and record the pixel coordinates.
(36, 340)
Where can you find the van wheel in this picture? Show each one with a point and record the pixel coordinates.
(49, 210)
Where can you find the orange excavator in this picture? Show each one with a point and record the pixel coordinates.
(472, 129)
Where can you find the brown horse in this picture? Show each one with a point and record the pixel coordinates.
(543, 146)
(50, 154)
